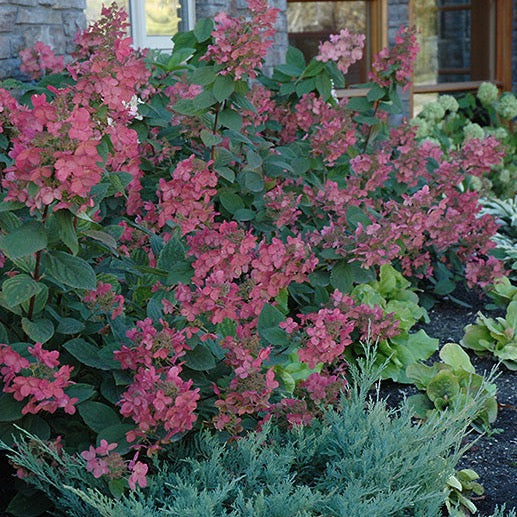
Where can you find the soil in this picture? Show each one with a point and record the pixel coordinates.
(493, 457)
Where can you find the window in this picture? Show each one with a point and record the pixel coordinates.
(153, 22)
(312, 21)
(462, 43)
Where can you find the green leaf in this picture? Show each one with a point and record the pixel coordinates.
(103, 237)
(244, 214)
(253, 181)
(227, 327)
(276, 336)
(253, 159)
(376, 93)
(40, 301)
(305, 86)
(203, 29)
(224, 86)
(172, 253)
(295, 57)
(269, 318)
(323, 85)
(444, 286)
(25, 240)
(231, 119)
(118, 486)
(314, 68)
(38, 330)
(69, 270)
(204, 75)
(97, 416)
(87, 354)
(210, 139)
(10, 409)
(116, 434)
(226, 173)
(80, 391)
(341, 277)
(23, 505)
(69, 326)
(67, 231)
(453, 355)
(230, 201)
(354, 216)
(199, 359)
(360, 104)
(19, 288)
(180, 272)
(443, 384)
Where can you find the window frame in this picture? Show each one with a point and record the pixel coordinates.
(138, 29)
(500, 71)
(378, 36)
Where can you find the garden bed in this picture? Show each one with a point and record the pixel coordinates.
(493, 457)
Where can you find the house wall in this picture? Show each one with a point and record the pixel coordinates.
(23, 22)
(55, 22)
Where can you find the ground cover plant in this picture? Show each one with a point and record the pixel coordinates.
(183, 247)
(361, 457)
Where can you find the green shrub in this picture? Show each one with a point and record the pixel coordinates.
(360, 459)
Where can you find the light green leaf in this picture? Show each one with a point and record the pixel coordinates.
(453, 355)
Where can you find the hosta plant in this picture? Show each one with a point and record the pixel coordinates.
(451, 383)
(505, 212)
(393, 293)
(495, 336)
(461, 487)
(502, 292)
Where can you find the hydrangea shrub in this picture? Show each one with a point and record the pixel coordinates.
(180, 235)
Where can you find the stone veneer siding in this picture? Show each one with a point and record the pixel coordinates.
(23, 22)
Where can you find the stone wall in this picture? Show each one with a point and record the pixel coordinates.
(23, 22)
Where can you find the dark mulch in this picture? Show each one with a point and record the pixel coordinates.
(493, 457)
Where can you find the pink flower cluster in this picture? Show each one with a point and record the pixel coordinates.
(344, 48)
(101, 461)
(39, 60)
(157, 400)
(55, 145)
(105, 300)
(241, 45)
(396, 64)
(160, 403)
(283, 205)
(327, 333)
(37, 379)
(186, 199)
